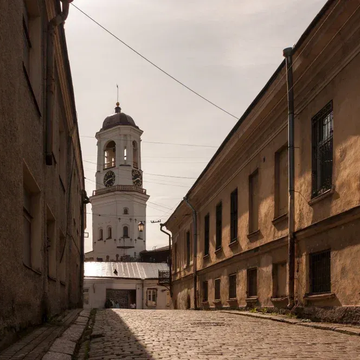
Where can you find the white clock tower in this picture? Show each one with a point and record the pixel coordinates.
(119, 201)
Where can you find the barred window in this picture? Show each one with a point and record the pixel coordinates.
(205, 291)
(219, 225)
(320, 273)
(206, 234)
(234, 215)
(252, 282)
(217, 289)
(232, 286)
(322, 150)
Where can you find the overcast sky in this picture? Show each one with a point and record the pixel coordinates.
(224, 49)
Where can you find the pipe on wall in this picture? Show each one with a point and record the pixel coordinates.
(170, 257)
(50, 78)
(288, 52)
(195, 250)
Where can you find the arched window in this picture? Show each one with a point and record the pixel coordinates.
(126, 211)
(125, 232)
(109, 232)
(109, 155)
(135, 155)
(101, 234)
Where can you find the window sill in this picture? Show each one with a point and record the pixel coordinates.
(107, 168)
(322, 196)
(51, 278)
(206, 257)
(234, 242)
(232, 300)
(252, 299)
(279, 299)
(318, 297)
(280, 219)
(37, 272)
(62, 283)
(218, 251)
(205, 302)
(253, 234)
(217, 301)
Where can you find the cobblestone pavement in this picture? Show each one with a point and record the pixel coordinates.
(177, 334)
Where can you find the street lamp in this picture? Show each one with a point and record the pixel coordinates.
(141, 226)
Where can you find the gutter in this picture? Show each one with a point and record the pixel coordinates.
(288, 53)
(50, 78)
(194, 250)
(170, 257)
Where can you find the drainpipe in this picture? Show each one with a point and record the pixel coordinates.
(291, 172)
(195, 251)
(50, 78)
(170, 258)
(85, 200)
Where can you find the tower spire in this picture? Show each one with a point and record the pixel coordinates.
(117, 108)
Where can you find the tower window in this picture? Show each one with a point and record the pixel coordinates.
(109, 155)
(126, 211)
(135, 155)
(101, 234)
(125, 232)
(109, 232)
(125, 154)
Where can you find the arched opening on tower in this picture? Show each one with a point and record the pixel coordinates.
(135, 155)
(125, 232)
(109, 155)
(125, 154)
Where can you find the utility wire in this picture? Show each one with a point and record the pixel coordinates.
(153, 64)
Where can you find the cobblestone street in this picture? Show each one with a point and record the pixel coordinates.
(147, 334)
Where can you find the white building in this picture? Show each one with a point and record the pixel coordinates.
(123, 285)
(119, 201)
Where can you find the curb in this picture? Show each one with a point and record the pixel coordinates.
(64, 347)
(341, 328)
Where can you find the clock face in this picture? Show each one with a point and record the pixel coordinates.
(109, 179)
(137, 177)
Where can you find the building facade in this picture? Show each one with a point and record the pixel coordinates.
(119, 201)
(125, 285)
(41, 183)
(240, 256)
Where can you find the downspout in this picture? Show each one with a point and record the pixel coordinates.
(50, 78)
(84, 201)
(291, 173)
(170, 257)
(195, 250)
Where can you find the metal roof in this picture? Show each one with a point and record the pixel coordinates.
(131, 270)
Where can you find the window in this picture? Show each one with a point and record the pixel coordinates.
(232, 286)
(188, 248)
(125, 232)
(219, 225)
(175, 258)
(279, 280)
(51, 245)
(125, 154)
(320, 273)
(32, 44)
(101, 234)
(217, 289)
(27, 220)
(109, 155)
(252, 282)
(109, 232)
(205, 291)
(135, 155)
(126, 211)
(135, 255)
(234, 215)
(206, 234)
(151, 295)
(281, 182)
(107, 257)
(254, 202)
(322, 150)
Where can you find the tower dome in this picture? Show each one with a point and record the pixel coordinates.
(119, 118)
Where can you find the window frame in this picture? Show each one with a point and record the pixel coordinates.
(320, 181)
(125, 232)
(312, 279)
(207, 234)
(218, 221)
(252, 206)
(277, 189)
(217, 289)
(205, 291)
(151, 294)
(109, 164)
(234, 215)
(101, 234)
(250, 282)
(232, 287)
